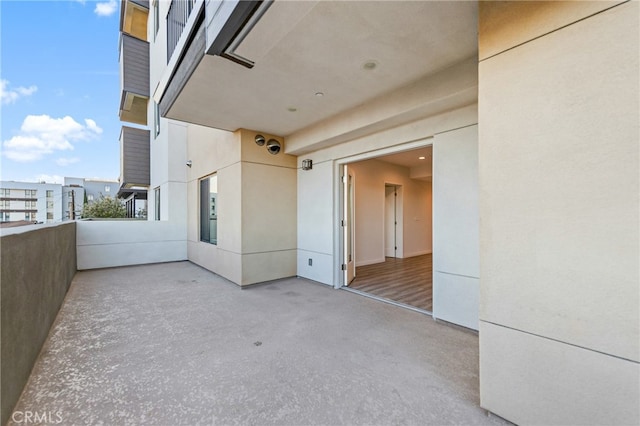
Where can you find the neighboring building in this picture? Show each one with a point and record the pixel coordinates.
(94, 188)
(278, 131)
(51, 202)
(30, 201)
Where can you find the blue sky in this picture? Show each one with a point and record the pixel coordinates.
(60, 89)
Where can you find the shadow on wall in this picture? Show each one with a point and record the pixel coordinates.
(37, 266)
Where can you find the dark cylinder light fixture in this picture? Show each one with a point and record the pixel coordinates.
(273, 146)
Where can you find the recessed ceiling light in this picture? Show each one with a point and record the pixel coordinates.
(370, 65)
(421, 158)
(319, 94)
(292, 109)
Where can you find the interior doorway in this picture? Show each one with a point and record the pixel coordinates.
(387, 207)
(393, 220)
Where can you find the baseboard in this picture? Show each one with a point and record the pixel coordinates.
(418, 253)
(369, 262)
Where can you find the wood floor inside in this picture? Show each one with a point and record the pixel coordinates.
(408, 281)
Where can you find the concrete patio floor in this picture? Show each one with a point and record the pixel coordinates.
(173, 344)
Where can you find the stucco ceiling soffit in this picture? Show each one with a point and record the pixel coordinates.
(311, 62)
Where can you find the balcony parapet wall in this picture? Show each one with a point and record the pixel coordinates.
(38, 263)
(106, 243)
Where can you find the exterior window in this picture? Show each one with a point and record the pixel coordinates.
(209, 209)
(156, 18)
(4, 204)
(49, 194)
(30, 216)
(107, 188)
(29, 204)
(49, 204)
(157, 201)
(4, 217)
(49, 215)
(4, 192)
(156, 119)
(30, 193)
(90, 197)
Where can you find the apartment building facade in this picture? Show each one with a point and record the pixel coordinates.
(30, 201)
(50, 202)
(262, 114)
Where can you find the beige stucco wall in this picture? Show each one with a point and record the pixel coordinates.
(559, 209)
(256, 206)
(269, 211)
(455, 227)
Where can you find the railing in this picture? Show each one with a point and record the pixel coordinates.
(179, 11)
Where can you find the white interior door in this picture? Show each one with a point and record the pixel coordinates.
(348, 225)
(390, 221)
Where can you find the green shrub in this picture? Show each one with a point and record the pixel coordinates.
(104, 207)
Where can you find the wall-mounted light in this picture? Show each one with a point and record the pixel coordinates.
(260, 140)
(307, 164)
(273, 146)
(189, 163)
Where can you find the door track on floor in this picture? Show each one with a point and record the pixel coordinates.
(389, 301)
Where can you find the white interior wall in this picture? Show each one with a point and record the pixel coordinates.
(414, 236)
(560, 197)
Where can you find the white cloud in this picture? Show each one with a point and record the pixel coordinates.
(106, 8)
(50, 179)
(10, 96)
(91, 125)
(41, 135)
(63, 162)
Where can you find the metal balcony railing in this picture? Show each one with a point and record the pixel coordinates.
(179, 11)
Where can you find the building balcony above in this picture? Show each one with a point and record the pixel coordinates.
(133, 18)
(134, 159)
(134, 79)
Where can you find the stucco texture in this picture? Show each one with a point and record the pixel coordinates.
(37, 268)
